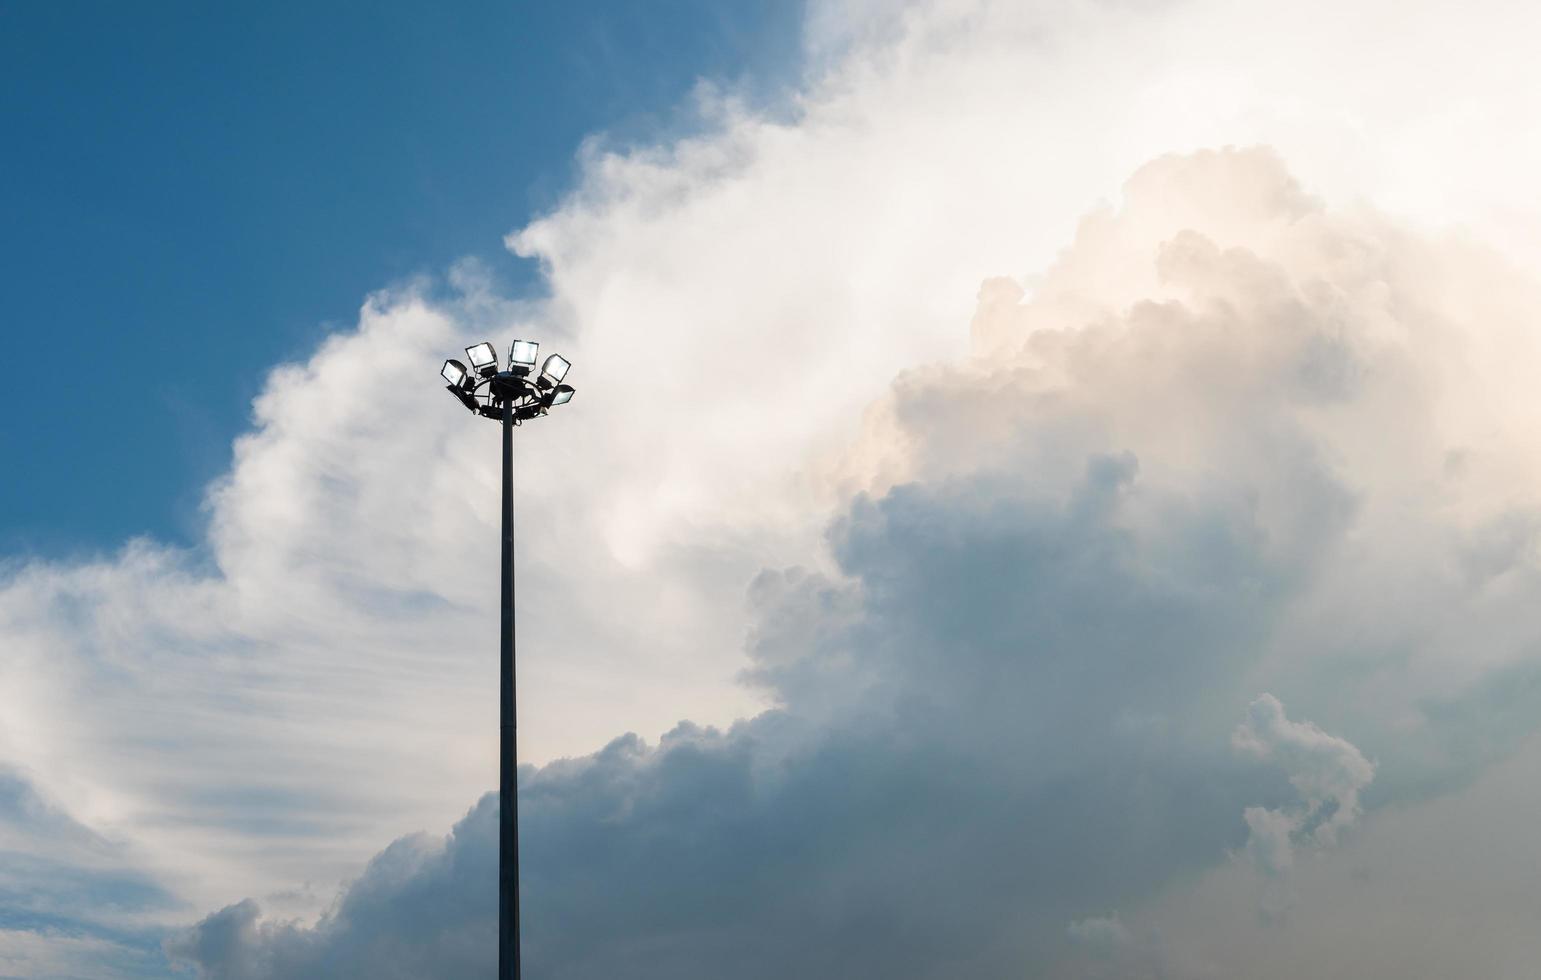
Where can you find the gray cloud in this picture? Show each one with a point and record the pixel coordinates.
(422, 908)
(959, 775)
(1064, 566)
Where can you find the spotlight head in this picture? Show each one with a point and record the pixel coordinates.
(521, 354)
(484, 358)
(556, 367)
(517, 388)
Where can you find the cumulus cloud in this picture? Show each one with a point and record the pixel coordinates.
(1328, 772)
(1009, 704)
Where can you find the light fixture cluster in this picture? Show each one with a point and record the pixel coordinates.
(485, 390)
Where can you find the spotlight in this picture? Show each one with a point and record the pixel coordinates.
(484, 358)
(556, 367)
(521, 354)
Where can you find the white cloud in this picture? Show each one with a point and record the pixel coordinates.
(1329, 773)
(1279, 440)
(1113, 511)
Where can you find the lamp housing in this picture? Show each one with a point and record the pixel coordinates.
(521, 353)
(556, 367)
(484, 358)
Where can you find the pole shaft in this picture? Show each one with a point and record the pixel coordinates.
(508, 754)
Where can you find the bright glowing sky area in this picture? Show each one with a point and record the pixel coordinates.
(1052, 489)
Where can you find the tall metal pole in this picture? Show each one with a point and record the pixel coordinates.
(508, 794)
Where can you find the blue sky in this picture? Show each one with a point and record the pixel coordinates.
(195, 192)
(1052, 491)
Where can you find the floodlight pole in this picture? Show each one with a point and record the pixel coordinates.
(508, 790)
(515, 397)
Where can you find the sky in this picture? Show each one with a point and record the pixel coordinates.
(196, 193)
(1051, 493)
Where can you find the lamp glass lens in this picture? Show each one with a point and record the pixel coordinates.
(482, 355)
(556, 367)
(523, 352)
(454, 372)
(563, 395)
